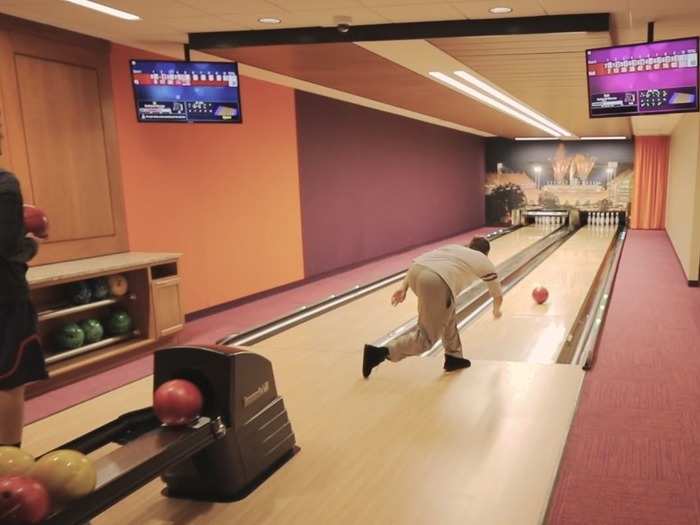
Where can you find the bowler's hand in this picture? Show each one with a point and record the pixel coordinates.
(398, 297)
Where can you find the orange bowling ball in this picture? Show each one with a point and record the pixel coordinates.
(23, 501)
(540, 294)
(35, 221)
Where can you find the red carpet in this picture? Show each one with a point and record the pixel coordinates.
(633, 454)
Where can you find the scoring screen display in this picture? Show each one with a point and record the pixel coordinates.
(186, 91)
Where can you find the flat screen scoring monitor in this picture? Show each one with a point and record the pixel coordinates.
(186, 91)
(643, 79)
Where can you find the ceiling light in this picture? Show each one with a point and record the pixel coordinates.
(488, 88)
(500, 10)
(104, 9)
(604, 138)
(491, 101)
(269, 20)
(535, 138)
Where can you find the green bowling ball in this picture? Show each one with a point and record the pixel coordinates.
(70, 337)
(100, 288)
(119, 323)
(79, 292)
(93, 330)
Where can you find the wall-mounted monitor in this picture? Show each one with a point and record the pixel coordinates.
(643, 79)
(186, 91)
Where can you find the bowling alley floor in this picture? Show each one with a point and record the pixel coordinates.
(415, 445)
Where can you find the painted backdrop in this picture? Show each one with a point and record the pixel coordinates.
(592, 175)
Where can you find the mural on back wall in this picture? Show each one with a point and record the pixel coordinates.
(589, 175)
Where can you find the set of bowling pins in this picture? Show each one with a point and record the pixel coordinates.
(547, 220)
(600, 218)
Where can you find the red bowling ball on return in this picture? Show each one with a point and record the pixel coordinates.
(540, 294)
(23, 501)
(35, 221)
(177, 402)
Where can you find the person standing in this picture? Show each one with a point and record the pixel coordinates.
(437, 278)
(21, 356)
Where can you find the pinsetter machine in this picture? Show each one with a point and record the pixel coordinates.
(241, 437)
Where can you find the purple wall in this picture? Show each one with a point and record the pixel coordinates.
(373, 183)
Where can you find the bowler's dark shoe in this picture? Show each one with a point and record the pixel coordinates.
(453, 363)
(372, 357)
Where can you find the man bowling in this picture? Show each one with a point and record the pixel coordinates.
(437, 278)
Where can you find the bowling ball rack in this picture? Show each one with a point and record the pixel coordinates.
(147, 450)
(242, 436)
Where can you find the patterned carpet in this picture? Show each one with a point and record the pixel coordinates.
(633, 454)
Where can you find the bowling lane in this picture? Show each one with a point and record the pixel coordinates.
(372, 316)
(411, 445)
(531, 332)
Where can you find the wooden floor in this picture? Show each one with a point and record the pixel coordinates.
(412, 445)
(531, 332)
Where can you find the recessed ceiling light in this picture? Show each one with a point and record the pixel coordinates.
(105, 9)
(269, 20)
(501, 10)
(473, 93)
(535, 138)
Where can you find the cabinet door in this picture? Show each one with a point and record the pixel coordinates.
(167, 306)
(62, 141)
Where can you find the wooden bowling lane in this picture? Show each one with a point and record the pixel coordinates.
(372, 316)
(531, 332)
(410, 446)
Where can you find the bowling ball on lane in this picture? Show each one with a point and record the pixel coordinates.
(66, 474)
(70, 337)
(100, 288)
(23, 501)
(540, 294)
(119, 323)
(177, 402)
(35, 221)
(93, 330)
(79, 292)
(118, 285)
(15, 461)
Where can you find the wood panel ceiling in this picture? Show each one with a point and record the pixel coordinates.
(348, 67)
(548, 72)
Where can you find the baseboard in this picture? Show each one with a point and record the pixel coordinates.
(694, 284)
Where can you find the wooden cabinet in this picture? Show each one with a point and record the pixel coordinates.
(59, 136)
(167, 306)
(150, 301)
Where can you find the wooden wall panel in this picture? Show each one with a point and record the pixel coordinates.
(66, 147)
(60, 138)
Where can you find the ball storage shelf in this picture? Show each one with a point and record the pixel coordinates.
(152, 303)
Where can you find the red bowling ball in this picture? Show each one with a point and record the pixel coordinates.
(23, 501)
(35, 221)
(540, 294)
(177, 402)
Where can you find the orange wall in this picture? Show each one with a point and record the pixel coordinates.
(226, 196)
